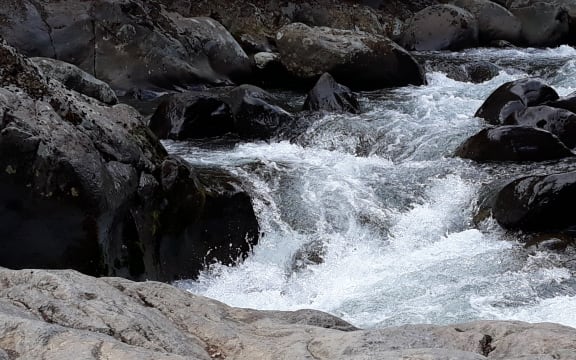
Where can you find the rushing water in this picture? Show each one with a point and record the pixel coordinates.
(369, 217)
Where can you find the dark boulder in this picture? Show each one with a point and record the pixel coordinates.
(87, 186)
(356, 59)
(192, 115)
(494, 21)
(127, 43)
(256, 112)
(76, 79)
(481, 71)
(513, 143)
(328, 95)
(544, 23)
(441, 27)
(537, 203)
(566, 102)
(559, 122)
(246, 110)
(514, 96)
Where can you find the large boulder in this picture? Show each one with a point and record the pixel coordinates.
(537, 203)
(494, 21)
(544, 23)
(192, 115)
(441, 27)
(76, 79)
(559, 122)
(67, 315)
(87, 186)
(513, 143)
(127, 43)
(356, 59)
(514, 96)
(328, 95)
(246, 110)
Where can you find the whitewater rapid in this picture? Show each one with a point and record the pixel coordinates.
(369, 217)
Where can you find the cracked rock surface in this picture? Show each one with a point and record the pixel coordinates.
(62, 314)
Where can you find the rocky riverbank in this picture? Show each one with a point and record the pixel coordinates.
(85, 183)
(67, 315)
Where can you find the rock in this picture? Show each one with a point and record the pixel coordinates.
(513, 143)
(494, 21)
(543, 23)
(256, 114)
(87, 186)
(537, 203)
(128, 44)
(191, 115)
(514, 96)
(76, 79)
(245, 110)
(481, 71)
(65, 315)
(565, 102)
(559, 122)
(328, 95)
(355, 59)
(441, 27)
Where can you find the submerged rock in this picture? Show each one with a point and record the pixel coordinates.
(441, 27)
(355, 59)
(513, 143)
(328, 95)
(514, 96)
(87, 186)
(52, 314)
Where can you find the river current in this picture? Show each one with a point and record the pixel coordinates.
(369, 217)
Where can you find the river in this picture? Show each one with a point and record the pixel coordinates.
(369, 217)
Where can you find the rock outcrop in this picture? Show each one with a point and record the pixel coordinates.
(355, 59)
(76, 79)
(128, 44)
(67, 315)
(87, 186)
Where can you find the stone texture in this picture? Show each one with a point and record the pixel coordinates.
(67, 315)
(355, 59)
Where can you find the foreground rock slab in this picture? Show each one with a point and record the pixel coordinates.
(66, 315)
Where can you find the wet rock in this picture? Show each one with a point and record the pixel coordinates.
(565, 102)
(537, 203)
(246, 110)
(441, 27)
(256, 114)
(87, 186)
(129, 43)
(328, 95)
(543, 23)
(481, 71)
(76, 79)
(52, 314)
(494, 21)
(514, 96)
(513, 143)
(191, 115)
(355, 59)
(559, 122)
